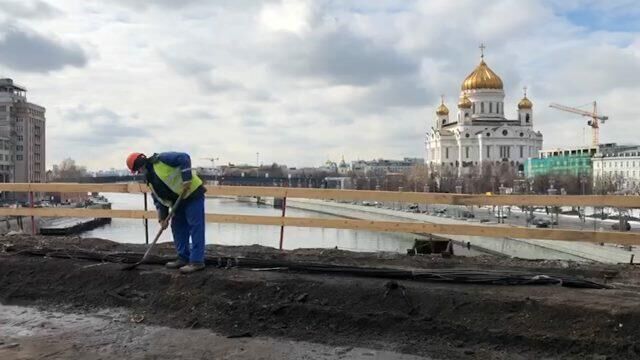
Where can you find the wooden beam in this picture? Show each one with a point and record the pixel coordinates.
(78, 212)
(63, 187)
(430, 198)
(497, 231)
(615, 201)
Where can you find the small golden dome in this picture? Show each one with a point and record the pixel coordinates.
(525, 103)
(482, 78)
(464, 102)
(442, 110)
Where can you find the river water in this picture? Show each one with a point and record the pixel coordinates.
(132, 231)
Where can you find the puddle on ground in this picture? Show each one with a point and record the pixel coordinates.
(29, 333)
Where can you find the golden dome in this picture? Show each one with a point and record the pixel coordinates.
(442, 109)
(464, 102)
(525, 103)
(482, 78)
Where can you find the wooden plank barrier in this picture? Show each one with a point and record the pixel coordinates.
(499, 231)
(614, 201)
(384, 226)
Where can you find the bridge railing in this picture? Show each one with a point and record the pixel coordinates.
(600, 201)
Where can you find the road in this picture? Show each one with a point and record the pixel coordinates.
(515, 216)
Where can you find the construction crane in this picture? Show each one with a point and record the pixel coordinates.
(213, 161)
(594, 123)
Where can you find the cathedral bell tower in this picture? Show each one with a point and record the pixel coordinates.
(442, 114)
(525, 113)
(464, 110)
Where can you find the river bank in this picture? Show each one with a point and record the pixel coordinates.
(520, 248)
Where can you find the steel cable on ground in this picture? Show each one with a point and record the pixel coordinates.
(460, 275)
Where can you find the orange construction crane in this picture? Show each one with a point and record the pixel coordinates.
(594, 122)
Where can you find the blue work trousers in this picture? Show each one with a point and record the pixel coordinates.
(189, 221)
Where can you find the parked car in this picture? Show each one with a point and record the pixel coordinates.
(626, 226)
(541, 223)
(467, 215)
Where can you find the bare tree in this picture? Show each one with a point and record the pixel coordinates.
(609, 183)
(68, 169)
(417, 177)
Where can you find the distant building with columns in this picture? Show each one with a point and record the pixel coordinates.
(479, 132)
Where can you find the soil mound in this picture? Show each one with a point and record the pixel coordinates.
(442, 320)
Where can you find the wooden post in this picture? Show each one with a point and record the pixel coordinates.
(284, 211)
(33, 222)
(146, 222)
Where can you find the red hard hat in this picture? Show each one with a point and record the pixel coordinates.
(131, 161)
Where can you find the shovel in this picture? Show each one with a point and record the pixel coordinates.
(172, 210)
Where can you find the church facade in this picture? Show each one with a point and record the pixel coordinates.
(478, 133)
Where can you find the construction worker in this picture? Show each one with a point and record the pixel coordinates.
(169, 176)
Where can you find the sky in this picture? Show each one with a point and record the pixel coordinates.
(300, 82)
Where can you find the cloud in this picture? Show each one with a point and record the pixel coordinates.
(252, 122)
(28, 51)
(303, 80)
(28, 9)
(210, 80)
(146, 4)
(97, 126)
(596, 72)
(288, 15)
(197, 113)
(338, 56)
(184, 4)
(406, 91)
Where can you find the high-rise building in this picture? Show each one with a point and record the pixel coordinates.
(22, 135)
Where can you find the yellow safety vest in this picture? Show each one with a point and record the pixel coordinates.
(172, 177)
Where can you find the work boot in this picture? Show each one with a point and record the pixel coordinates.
(175, 264)
(192, 267)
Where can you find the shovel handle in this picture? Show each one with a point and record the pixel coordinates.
(172, 211)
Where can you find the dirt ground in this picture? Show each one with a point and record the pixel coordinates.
(28, 333)
(439, 320)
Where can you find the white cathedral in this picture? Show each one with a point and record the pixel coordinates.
(479, 132)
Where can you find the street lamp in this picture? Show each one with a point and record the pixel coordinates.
(583, 182)
(552, 190)
(459, 186)
(554, 209)
(458, 191)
